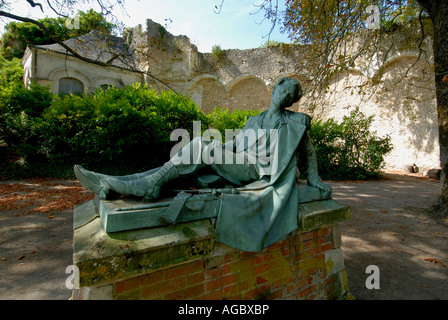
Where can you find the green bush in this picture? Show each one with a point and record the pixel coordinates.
(118, 127)
(349, 150)
(20, 122)
(116, 130)
(121, 131)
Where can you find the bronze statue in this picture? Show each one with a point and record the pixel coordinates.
(264, 208)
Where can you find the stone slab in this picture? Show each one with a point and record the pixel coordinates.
(127, 214)
(317, 214)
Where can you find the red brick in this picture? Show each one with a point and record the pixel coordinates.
(214, 273)
(127, 285)
(152, 278)
(306, 236)
(194, 278)
(245, 254)
(215, 295)
(221, 282)
(305, 254)
(274, 295)
(257, 292)
(229, 279)
(263, 258)
(304, 292)
(322, 232)
(134, 283)
(213, 285)
(320, 240)
(299, 247)
(238, 266)
(230, 291)
(307, 272)
(278, 244)
(261, 280)
(286, 251)
(295, 286)
(187, 268)
(260, 269)
(311, 243)
(187, 293)
(164, 287)
(327, 246)
(226, 269)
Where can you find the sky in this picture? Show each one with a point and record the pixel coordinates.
(237, 26)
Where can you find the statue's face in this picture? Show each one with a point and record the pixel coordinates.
(283, 93)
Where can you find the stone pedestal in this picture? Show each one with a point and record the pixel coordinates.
(183, 261)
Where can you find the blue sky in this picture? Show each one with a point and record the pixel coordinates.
(236, 27)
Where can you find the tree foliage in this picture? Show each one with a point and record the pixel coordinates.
(349, 150)
(19, 34)
(334, 33)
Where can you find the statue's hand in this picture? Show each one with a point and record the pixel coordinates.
(325, 189)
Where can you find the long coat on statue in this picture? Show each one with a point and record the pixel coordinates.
(266, 210)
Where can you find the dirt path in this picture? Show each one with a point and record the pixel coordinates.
(387, 229)
(36, 236)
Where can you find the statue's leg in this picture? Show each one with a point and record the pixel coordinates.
(146, 184)
(149, 183)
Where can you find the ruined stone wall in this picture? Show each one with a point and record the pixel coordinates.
(404, 106)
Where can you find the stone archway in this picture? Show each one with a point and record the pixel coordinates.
(208, 93)
(247, 93)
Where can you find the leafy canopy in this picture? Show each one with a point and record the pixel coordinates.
(19, 34)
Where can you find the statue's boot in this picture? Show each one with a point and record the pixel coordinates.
(147, 186)
(92, 181)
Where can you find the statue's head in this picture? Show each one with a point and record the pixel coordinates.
(286, 92)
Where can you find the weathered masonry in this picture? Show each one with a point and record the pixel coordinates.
(404, 106)
(184, 261)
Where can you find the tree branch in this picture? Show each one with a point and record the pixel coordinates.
(75, 54)
(56, 40)
(34, 4)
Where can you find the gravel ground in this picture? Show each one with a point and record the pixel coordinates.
(387, 228)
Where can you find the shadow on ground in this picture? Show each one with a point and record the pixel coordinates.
(387, 228)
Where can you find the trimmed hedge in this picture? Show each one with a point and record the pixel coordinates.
(127, 130)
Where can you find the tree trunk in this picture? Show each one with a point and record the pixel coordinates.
(438, 12)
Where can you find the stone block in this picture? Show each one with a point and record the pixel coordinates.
(334, 261)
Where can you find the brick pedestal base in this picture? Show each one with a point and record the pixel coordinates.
(185, 262)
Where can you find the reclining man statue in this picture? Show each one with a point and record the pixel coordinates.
(265, 208)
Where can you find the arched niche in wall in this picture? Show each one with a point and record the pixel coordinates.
(59, 73)
(69, 85)
(104, 83)
(208, 92)
(248, 92)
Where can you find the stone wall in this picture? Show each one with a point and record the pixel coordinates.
(47, 68)
(404, 106)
